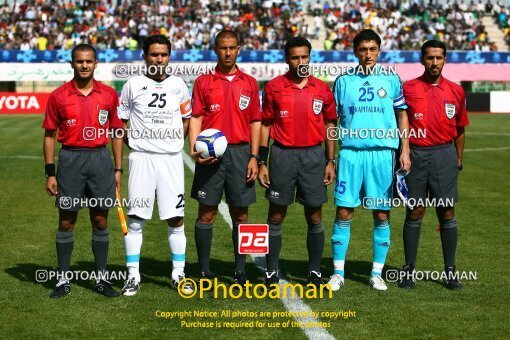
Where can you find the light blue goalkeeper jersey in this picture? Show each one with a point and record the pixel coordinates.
(366, 107)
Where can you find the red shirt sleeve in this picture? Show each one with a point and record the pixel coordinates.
(267, 104)
(255, 114)
(115, 121)
(198, 103)
(462, 118)
(329, 108)
(51, 121)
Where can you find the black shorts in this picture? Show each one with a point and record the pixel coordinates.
(86, 173)
(433, 174)
(228, 174)
(297, 168)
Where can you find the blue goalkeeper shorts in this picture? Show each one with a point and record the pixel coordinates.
(365, 176)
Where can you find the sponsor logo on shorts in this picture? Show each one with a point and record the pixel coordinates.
(274, 194)
(201, 194)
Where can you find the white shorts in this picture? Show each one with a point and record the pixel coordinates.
(152, 174)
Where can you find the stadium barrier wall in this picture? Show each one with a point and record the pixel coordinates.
(35, 103)
(478, 102)
(499, 102)
(252, 56)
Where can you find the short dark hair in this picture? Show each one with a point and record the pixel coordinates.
(225, 34)
(297, 42)
(433, 43)
(156, 39)
(83, 47)
(366, 35)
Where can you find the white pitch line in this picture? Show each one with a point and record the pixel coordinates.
(488, 149)
(488, 133)
(20, 157)
(292, 305)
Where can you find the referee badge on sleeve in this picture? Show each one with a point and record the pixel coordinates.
(102, 116)
(244, 101)
(450, 110)
(317, 106)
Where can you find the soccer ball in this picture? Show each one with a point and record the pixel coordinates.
(211, 143)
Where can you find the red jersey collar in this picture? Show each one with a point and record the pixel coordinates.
(288, 80)
(427, 86)
(218, 74)
(73, 89)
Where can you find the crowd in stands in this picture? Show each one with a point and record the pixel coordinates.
(261, 25)
(188, 24)
(407, 25)
(501, 16)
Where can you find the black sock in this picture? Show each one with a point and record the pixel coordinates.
(65, 243)
(275, 245)
(240, 259)
(203, 240)
(449, 241)
(315, 246)
(100, 242)
(412, 230)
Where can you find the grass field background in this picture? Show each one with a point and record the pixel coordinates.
(27, 235)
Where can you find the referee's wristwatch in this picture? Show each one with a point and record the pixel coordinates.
(257, 157)
(119, 170)
(332, 160)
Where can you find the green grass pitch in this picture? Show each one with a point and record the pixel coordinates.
(27, 235)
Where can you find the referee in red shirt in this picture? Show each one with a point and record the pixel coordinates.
(437, 107)
(227, 100)
(82, 111)
(297, 110)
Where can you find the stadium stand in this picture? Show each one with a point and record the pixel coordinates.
(261, 25)
(408, 25)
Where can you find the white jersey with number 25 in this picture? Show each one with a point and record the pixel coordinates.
(155, 111)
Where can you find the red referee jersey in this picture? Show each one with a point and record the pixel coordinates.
(82, 121)
(436, 110)
(229, 106)
(297, 115)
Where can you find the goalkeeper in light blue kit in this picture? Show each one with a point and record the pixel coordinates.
(369, 104)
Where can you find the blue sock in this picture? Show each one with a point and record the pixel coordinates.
(381, 246)
(340, 243)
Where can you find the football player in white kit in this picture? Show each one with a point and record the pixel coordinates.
(158, 109)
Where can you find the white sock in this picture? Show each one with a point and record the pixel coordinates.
(177, 242)
(133, 245)
(338, 267)
(377, 269)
